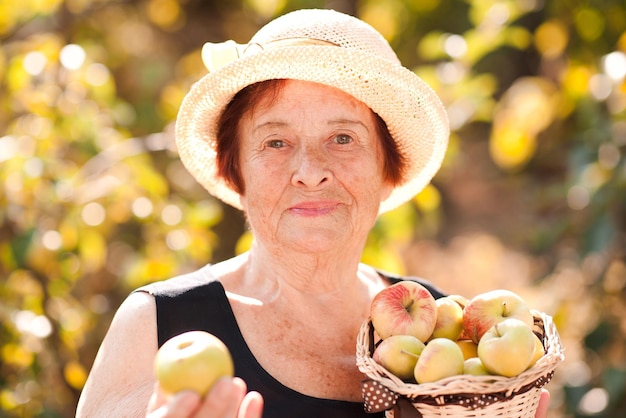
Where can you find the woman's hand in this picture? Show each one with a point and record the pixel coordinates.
(542, 409)
(227, 399)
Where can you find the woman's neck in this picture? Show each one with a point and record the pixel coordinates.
(302, 284)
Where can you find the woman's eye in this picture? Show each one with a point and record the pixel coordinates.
(343, 139)
(275, 143)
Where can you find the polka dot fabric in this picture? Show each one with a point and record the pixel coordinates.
(377, 397)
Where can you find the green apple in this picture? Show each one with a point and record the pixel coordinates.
(449, 319)
(468, 347)
(440, 358)
(474, 367)
(507, 348)
(193, 360)
(404, 308)
(487, 309)
(398, 354)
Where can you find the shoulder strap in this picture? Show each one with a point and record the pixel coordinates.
(434, 290)
(194, 301)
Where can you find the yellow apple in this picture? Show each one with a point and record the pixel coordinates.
(449, 319)
(461, 300)
(404, 308)
(539, 351)
(486, 309)
(468, 347)
(398, 354)
(475, 367)
(507, 348)
(440, 358)
(193, 360)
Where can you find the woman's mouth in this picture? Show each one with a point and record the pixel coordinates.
(312, 209)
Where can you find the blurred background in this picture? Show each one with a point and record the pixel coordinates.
(94, 202)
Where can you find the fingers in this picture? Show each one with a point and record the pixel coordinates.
(156, 399)
(251, 406)
(544, 401)
(181, 405)
(227, 399)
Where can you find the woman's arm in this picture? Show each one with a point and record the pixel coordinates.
(122, 383)
(121, 380)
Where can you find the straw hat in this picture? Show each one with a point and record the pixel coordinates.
(321, 46)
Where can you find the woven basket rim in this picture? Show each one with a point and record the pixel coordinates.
(463, 387)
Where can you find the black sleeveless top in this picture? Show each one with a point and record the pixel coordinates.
(197, 301)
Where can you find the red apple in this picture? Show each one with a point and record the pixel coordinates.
(507, 348)
(404, 308)
(398, 354)
(193, 360)
(487, 309)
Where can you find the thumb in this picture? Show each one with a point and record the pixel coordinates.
(183, 404)
(542, 409)
(156, 399)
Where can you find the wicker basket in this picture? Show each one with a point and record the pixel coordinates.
(464, 395)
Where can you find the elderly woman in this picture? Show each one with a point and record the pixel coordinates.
(312, 129)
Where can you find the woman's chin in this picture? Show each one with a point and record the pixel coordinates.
(316, 241)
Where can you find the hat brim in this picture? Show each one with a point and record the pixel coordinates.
(414, 115)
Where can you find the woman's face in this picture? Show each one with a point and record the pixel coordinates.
(312, 166)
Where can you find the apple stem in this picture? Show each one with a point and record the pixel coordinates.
(504, 308)
(408, 307)
(409, 353)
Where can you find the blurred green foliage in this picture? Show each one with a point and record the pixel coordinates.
(93, 201)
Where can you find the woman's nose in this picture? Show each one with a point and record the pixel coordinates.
(311, 168)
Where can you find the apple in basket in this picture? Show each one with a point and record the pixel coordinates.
(507, 348)
(399, 354)
(468, 347)
(193, 360)
(440, 358)
(449, 319)
(539, 351)
(404, 308)
(474, 367)
(487, 309)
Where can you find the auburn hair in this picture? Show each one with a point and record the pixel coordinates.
(246, 100)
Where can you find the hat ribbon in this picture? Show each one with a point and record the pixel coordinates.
(217, 55)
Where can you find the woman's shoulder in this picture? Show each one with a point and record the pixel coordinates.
(180, 284)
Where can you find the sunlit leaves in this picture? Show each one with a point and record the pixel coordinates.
(266, 8)
(551, 38)
(167, 14)
(429, 199)
(75, 374)
(244, 243)
(527, 108)
(69, 176)
(13, 13)
(589, 23)
(385, 17)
